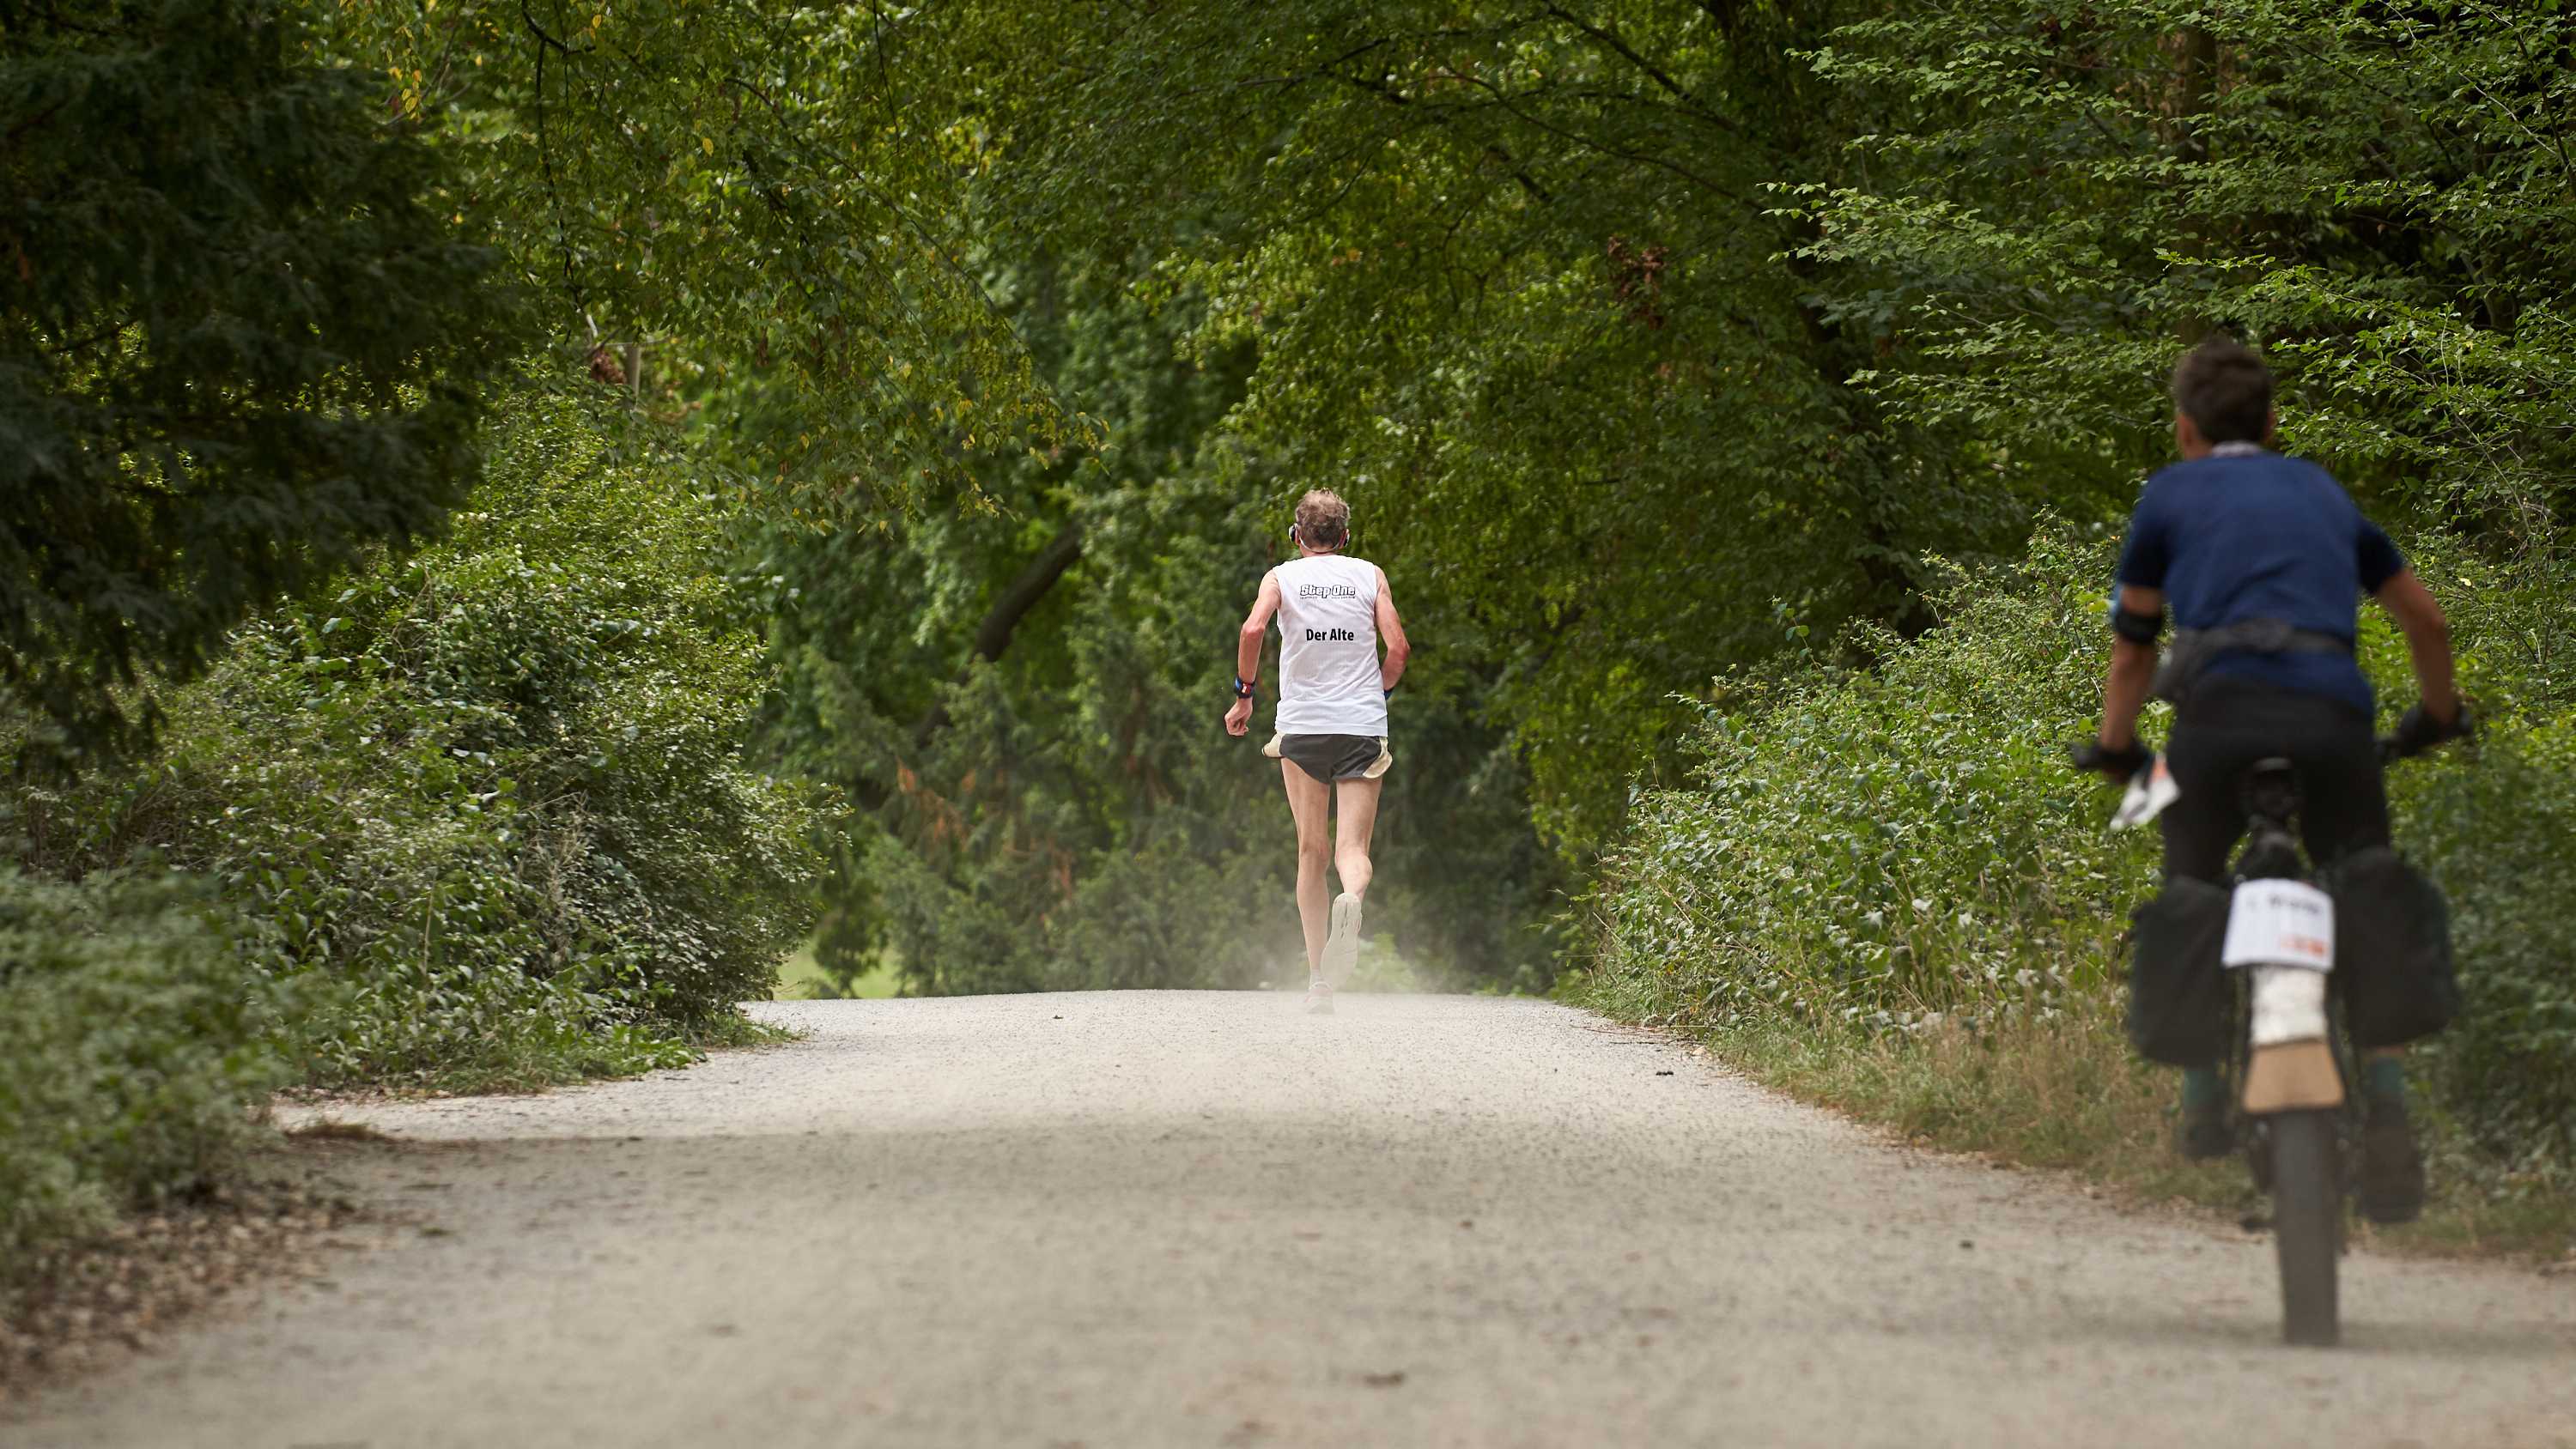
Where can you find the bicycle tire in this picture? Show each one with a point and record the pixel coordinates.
(2307, 1225)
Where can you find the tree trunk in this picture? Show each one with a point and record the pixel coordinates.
(2195, 60)
(1017, 598)
(1035, 577)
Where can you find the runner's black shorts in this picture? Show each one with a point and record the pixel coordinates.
(1334, 757)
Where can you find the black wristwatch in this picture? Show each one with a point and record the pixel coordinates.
(1242, 688)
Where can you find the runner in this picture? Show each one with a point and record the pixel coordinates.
(1331, 740)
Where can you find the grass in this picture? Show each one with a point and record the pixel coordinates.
(800, 978)
(2069, 1095)
(727, 1033)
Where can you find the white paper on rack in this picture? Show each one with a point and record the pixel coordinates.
(2150, 791)
(2280, 923)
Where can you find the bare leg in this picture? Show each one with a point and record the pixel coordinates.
(1355, 804)
(1311, 801)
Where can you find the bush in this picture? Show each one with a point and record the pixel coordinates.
(2499, 834)
(1883, 848)
(490, 802)
(1885, 851)
(1162, 917)
(129, 1048)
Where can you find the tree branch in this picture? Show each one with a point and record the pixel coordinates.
(1031, 584)
(545, 152)
(1017, 598)
(1594, 143)
(1610, 38)
(1394, 97)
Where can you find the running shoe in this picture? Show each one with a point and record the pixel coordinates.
(1342, 946)
(1319, 999)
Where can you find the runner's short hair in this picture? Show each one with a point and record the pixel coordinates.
(1323, 519)
(2226, 391)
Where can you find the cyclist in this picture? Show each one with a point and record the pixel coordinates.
(2262, 559)
(1331, 742)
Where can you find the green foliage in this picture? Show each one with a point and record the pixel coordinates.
(1902, 850)
(130, 1053)
(1647, 335)
(491, 798)
(755, 195)
(1049, 800)
(2379, 194)
(1889, 847)
(2498, 831)
(1510, 277)
(2500, 836)
(243, 339)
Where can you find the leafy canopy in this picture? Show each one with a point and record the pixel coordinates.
(243, 336)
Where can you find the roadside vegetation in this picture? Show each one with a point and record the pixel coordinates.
(478, 818)
(1889, 892)
(1882, 887)
(520, 515)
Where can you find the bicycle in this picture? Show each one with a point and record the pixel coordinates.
(2300, 1125)
(2297, 1120)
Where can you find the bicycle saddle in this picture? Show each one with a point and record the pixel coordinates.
(2270, 790)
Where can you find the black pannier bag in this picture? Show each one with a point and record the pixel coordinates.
(2392, 948)
(2181, 1007)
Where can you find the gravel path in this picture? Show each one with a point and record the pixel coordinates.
(1125, 1219)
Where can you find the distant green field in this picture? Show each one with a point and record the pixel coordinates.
(799, 979)
(1380, 968)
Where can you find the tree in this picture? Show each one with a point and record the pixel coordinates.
(1024, 701)
(777, 198)
(1513, 279)
(243, 334)
(2381, 195)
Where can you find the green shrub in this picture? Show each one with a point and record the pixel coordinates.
(1894, 846)
(2499, 834)
(1879, 851)
(489, 801)
(1162, 917)
(129, 1048)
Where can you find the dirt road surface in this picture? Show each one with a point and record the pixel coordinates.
(1125, 1219)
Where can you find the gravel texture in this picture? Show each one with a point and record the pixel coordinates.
(291, 1216)
(1120, 1219)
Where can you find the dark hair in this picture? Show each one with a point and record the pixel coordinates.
(2225, 390)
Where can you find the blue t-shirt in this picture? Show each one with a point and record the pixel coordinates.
(2254, 535)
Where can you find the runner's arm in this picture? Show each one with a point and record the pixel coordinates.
(1256, 627)
(1390, 627)
(1247, 652)
(2428, 642)
(2133, 668)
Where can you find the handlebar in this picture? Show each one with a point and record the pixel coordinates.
(2410, 740)
(2090, 758)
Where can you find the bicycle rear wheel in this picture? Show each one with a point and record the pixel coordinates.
(2307, 1224)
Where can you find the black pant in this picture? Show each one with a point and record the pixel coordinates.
(2226, 726)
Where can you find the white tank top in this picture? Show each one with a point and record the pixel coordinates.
(1328, 665)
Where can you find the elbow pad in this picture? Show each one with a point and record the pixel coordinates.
(2135, 627)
